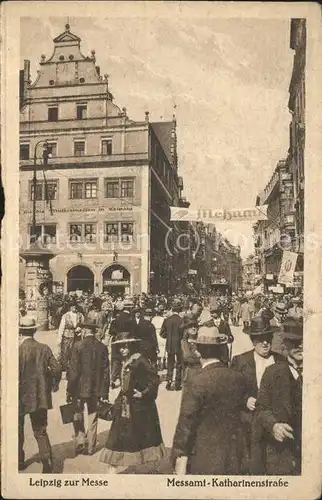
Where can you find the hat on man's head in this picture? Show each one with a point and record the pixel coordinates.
(293, 329)
(259, 326)
(160, 308)
(280, 308)
(90, 324)
(189, 322)
(214, 306)
(124, 338)
(210, 336)
(176, 305)
(148, 312)
(27, 325)
(127, 303)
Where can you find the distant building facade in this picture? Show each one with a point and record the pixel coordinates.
(103, 195)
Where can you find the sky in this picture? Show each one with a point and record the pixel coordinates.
(226, 80)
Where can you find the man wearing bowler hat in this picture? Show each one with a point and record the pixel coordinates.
(39, 375)
(252, 365)
(208, 432)
(88, 383)
(279, 410)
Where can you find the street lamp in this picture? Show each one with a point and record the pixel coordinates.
(46, 155)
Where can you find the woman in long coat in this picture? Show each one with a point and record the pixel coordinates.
(135, 435)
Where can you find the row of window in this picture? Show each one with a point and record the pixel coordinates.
(80, 112)
(83, 189)
(79, 148)
(114, 232)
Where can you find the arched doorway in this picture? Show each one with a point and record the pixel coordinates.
(80, 278)
(116, 280)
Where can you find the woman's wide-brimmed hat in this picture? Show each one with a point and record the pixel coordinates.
(27, 324)
(124, 338)
(210, 336)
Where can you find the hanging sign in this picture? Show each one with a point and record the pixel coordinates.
(288, 264)
(217, 214)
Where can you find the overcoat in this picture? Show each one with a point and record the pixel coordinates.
(172, 331)
(39, 374)
(88, 374)
(209, 428)
(279, 401)
(245, 364)
(135, 435)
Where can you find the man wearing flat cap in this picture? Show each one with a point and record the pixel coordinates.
(252, 365)
(39, 375)
(279, 410)
(88, 382)
(208, 432)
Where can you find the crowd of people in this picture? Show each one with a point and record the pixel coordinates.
(239, 414)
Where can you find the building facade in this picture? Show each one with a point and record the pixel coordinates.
(284, 193)
(104, 183)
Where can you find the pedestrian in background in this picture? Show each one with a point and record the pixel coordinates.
(39, 376)
(88, 383)
(172, 331)
(245, 314)
(157, 322)
(69, 332)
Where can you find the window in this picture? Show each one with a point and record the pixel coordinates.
(39, 191)
(75, 232)
(82, 188)
(24, 151)
(106, 147)
(82, 232)
(81, 111)
(127, 189)
(118, 232)
(126, 232)
(51, 191)
(90, 232)
(45, 232)
(44, 190)
(91, 189)
(53, 114)
(52, 149)
(119, 188)
(111, 232)
(79, 148)
(112, 189)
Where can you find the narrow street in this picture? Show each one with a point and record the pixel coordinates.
(61, 435)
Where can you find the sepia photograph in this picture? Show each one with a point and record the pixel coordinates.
(161, 291)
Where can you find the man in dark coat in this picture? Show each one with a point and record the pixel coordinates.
(208, 432)
(223, 327)
(279, 411)
(172, 331)
(145, 331)
(124, 322)
(88, 382)
(252, 365)
(39, 375)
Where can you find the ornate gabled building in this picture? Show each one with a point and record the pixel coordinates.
(104, 183)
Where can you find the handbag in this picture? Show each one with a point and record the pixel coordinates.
(67, 412)
(105, 411)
